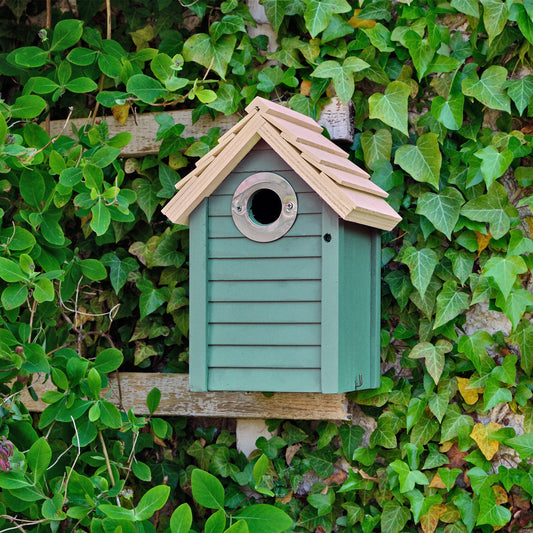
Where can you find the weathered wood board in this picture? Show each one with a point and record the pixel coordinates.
(178, 400)
(144, 129)
(336, 117)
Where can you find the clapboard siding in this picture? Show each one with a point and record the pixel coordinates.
(241, 247)
(265, 291)
(264, 334)
(257, 356)
(269, 268)
(264, 313)
(221, 227)
(264, 310)
(264, 379)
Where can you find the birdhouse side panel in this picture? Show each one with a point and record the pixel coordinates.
(359, 307)
(264, 309)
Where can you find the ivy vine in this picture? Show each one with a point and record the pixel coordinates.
(94, 279)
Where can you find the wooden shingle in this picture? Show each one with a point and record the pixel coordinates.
(297, 139)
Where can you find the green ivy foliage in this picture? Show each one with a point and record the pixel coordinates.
(93, 278)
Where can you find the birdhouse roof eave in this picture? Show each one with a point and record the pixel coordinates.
(297, 139)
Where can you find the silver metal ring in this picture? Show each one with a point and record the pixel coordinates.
(264, 207)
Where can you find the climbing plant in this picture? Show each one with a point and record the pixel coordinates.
(94, 279)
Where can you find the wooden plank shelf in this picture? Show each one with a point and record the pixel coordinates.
(178, 400)
(336, 117)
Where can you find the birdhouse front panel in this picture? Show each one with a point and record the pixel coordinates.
(271, 308)
(284, 259)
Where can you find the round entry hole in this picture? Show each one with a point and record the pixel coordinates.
(264, 206)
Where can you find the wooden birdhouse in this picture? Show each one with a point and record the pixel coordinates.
(284, 260)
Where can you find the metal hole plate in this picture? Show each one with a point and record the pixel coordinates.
(240, 207)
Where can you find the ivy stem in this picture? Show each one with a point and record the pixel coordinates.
(102, 77)
(107, 462)
(32, 316)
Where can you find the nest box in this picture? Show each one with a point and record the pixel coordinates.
(284, 260)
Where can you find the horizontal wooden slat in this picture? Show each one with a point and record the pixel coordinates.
(304, 225)
(264, 291)
(266, 380)
(277, 268)
(308, 202)
(263, 312)
(243, 247)
(261, 356)
(144, 129)
(264, 334)
(178, 400)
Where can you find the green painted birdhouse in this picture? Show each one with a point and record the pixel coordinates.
(284, 260)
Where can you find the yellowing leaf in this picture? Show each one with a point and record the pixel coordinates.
(529, 221)
(430, 520)
(482, 241)
(436, 482)
(500, 495)
(470, 396)
(142, 37)
(121, 112)
(305, 87)
(177, 160)
(445, 446)
(481, 434)
(355, 22)
(285, 499)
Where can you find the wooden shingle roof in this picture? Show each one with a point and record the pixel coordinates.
(298, 140)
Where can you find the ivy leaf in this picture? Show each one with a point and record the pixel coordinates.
(520, 92)
(495, 394)
(449, 112)
(151, 298)
(146, 196)
(468, 7)
(494, 208)
(515, 305)
(422, 161)
(504, 271)
(507, 371)
(376, 146)
(342, 75)
(215, 55)
(318, 13)
(394, 517)
(119, 269)
(441, 209)
(145, 88)
(228, 25)
(227, 100)
(391, 107)
(489, 512)
(400, 286)
(408, 478)
(523, 444)
(421, 265)
(420, 50)
(450, 302)
(430, 520)
(462, 263)
(454, 420)
(523, 338)
(488, 89)
(493, 162)
(481, 434)
(275, 11)
(494, 17)
(433, 356)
